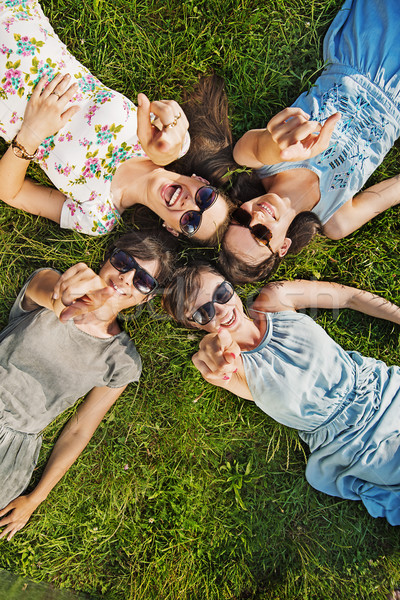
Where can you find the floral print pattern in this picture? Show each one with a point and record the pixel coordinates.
(81, 159)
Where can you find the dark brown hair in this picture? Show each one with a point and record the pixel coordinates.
(211, 149)
(302, 229)
(149, 245)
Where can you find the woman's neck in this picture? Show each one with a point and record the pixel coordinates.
(101, 323)
(250, 333)
(301, 186)
(130, 183)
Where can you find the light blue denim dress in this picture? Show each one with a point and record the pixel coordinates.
(346, 408)
(362, 82)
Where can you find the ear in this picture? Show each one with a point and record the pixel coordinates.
(170, 230)
(200, 179)
(283, 250)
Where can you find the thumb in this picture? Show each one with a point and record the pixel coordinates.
(143, 118)
(327, 130)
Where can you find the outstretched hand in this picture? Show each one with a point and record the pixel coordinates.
(162, 138)
(81, 290)
(16, 515)
(297, 137)
(46, 111)
(218, 357)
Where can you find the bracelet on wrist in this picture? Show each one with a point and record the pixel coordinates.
(20, 151)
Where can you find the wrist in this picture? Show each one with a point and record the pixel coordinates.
(35, 498)
(28, 140)
(268, 151)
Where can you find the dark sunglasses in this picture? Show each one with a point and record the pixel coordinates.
(190, 221)
(124, 262)
(260, 232)
(206, 312)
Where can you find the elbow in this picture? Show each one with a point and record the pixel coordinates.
(237, 156)
(334, 231)
(7, 198)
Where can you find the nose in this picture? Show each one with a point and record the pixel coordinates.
(219, 309)
(127, 277)
(189, 201)
(257, 217)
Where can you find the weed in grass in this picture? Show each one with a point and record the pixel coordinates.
(186, 492)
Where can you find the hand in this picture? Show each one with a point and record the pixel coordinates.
(297, 137)
(162, 139)
(81, 291)
(218, 357)
(45, 112)
(20, 511)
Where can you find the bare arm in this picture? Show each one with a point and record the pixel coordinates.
(294, 295)
(289, 136)
(362, 208)
(44, 115)
(73, 439)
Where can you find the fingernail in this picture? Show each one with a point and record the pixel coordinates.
(225, 377)
(232, 354)
(236, 370)
(55, 296)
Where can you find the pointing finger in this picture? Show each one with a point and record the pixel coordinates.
(85, 304)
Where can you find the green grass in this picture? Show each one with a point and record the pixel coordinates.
(187, 492)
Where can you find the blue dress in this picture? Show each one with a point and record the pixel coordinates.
(362, 82)
(345, 407)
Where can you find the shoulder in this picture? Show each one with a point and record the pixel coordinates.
(124, 360)
(22, 304)
(276, 296)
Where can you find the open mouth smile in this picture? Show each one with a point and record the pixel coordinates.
(171, 194)
(230, 321)
(267, 208)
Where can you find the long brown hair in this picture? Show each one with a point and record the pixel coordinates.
(211, 149)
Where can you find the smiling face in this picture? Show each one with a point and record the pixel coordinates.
(126, 295)
(229, 316)
(170, 195)
(269, 210)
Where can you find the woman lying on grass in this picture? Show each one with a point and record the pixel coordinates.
(63, 341)
(314, 157)
(345, 406)
(96, 160)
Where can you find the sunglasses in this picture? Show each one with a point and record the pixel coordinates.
(260, 232)
(206, 312)
(190, 221)
(124, 262)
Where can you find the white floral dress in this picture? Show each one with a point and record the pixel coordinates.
(82, 157)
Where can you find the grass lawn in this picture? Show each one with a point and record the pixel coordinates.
(185, 491)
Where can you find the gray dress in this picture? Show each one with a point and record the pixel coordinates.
(45, 367)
